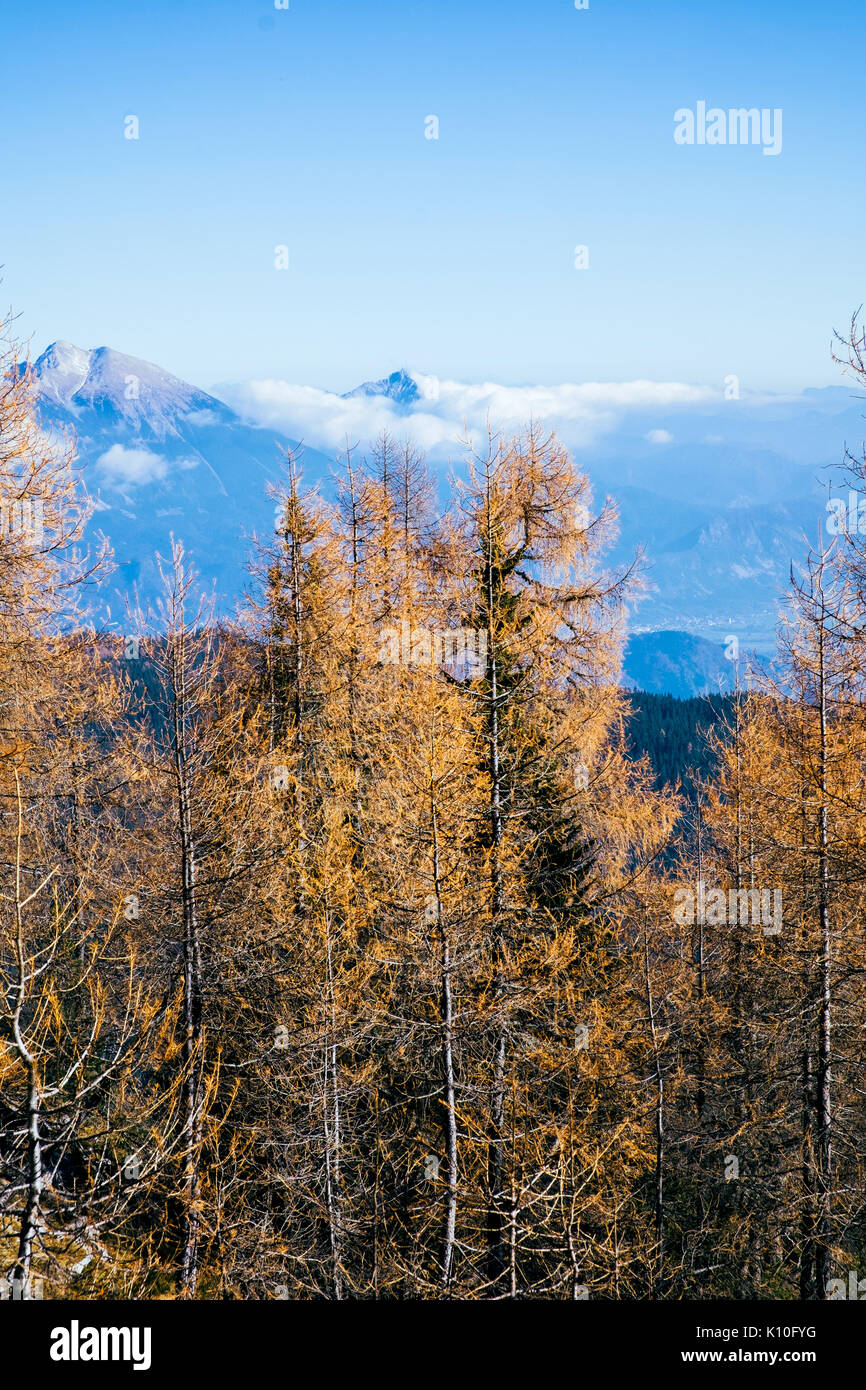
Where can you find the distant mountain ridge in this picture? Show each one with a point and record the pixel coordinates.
(720, 516)
(677, 663)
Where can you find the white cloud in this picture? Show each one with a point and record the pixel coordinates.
(660, 437)
(449, 410)
(122, 467)
(202, 417)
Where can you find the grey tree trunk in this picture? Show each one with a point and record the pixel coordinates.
(192, 973)
(658, 1260)
(824, 1072)
(447, 1015)
(496, 1215)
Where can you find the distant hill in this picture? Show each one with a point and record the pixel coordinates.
(677, 663)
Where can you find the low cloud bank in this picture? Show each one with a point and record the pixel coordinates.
(447, 411)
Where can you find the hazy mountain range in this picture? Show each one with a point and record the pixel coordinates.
(720, 494)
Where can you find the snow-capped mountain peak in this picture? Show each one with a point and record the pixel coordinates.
(62, 370)
(159, 456)
(112, 383)
(400, 387)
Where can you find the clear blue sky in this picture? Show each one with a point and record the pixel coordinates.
(305, 127)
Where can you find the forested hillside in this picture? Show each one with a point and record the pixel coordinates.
(353, 950)
(675, 736)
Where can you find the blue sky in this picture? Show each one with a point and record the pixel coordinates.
(305, 127)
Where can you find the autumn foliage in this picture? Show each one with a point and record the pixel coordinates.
(340, 947)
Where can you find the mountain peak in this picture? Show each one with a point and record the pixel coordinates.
(62, 370)
(400, 387)
(102, 379)
(62, 354)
